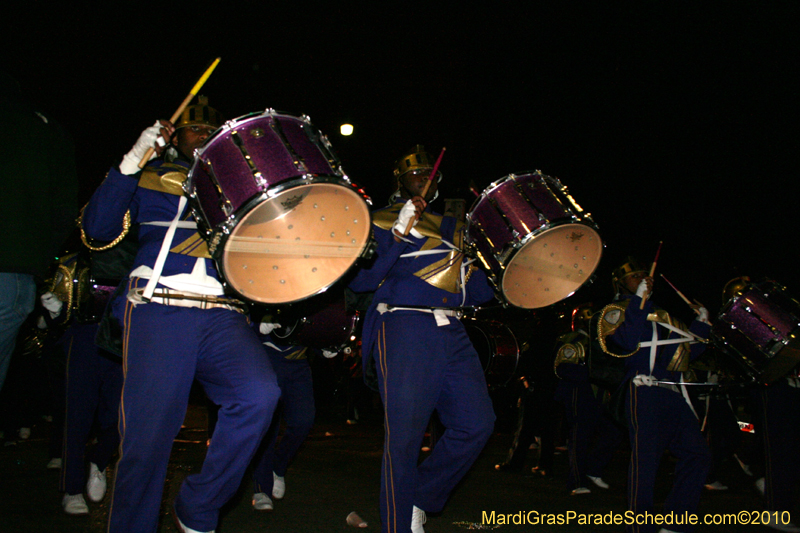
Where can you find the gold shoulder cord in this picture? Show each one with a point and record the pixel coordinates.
(126, 226)
(605, 329)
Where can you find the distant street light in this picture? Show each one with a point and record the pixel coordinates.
(346, 129)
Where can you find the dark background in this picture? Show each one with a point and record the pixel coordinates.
(673, 121)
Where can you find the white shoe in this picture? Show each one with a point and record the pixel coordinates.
(760, 485)
(262, 502)
(24, 433)
(54, 464)
(96, 484)
(418, 519)
(580, 490)
(716, 486)
(183, 528)
(74, 504)
(278, 486)
(598, 481)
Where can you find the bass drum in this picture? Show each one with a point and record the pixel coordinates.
(537, 243)
(327, 325)
(759, 330)
(497, 349)
(280, 216)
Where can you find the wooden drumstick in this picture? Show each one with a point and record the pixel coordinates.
(192, 94)
(425, 189)
(684, 298)
(652, 271)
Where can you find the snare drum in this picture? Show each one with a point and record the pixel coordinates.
(535, 240)
(497, 349)
(759, 330)
(280, 217)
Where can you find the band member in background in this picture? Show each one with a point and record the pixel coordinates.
(297, 410)
(93, 380)
(658, 411)
(177, 326)
(593, 436)
(424, 358)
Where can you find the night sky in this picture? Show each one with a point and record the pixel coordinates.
(673, 121)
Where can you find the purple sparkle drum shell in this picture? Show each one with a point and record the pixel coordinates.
(758, 329)
(282, 222)
(537, 242)
(223, 171)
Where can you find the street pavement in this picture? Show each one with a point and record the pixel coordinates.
(337, 472)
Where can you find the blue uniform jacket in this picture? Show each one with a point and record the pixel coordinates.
(151, 196)
(422, 281)
(636, 328)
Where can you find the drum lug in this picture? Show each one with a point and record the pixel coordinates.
(369, 249)
(214, 243)
(226, 207)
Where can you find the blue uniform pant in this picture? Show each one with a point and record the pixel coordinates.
(94, 386)
(164, 349)
(423, 367)
(659, 419)
(593, 436)
(297, 409)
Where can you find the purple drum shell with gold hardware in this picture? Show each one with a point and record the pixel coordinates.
(536, 241)
(758, 329)
(279, 215)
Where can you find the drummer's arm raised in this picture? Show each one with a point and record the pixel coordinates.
(102, 218)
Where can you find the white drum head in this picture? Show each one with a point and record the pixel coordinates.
(296, 244)
(551, 265)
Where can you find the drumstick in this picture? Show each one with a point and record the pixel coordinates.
(684, 298)
(427, 186)
(183, 105)
(652, 271)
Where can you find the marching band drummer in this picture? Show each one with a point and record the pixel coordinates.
(658, 349)
(424, 358)
(177, 326)
(296, 408)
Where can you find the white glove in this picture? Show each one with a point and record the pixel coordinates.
(51, 302)
(329, 354)
(407, 213)
(702, 315)
(641, 290)
(130, 161)
(265, 328)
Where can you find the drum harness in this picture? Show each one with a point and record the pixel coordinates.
(441, 314)
(209, 288)
(654, 343)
